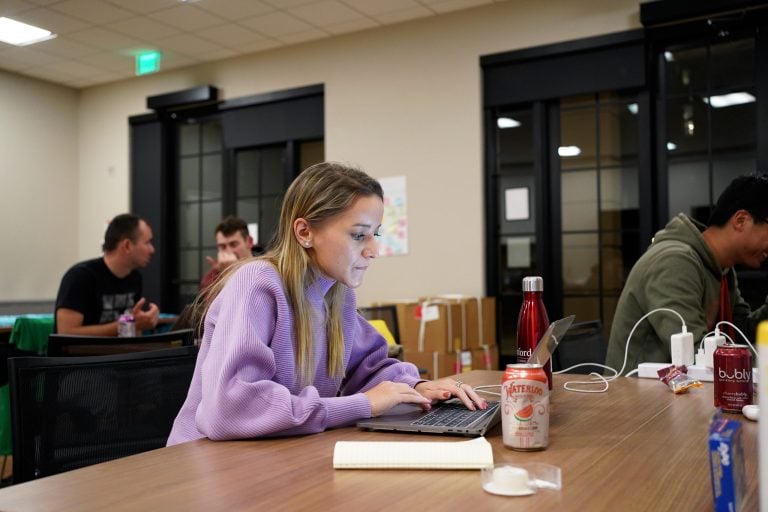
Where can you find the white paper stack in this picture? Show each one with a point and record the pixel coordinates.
(474, 454)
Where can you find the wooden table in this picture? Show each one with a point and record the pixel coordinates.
(636, 447)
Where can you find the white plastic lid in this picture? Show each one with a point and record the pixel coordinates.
(520, 479)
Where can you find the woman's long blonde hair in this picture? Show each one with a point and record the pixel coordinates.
(319, 193)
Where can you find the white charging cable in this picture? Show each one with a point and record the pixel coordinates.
(626, 348)
(484, 389)
(600, 379)
(721, 333)
(574, 385)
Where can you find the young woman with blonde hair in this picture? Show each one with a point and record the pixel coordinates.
(284, 351)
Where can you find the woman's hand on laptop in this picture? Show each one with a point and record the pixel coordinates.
(387, 394)
(443, 389)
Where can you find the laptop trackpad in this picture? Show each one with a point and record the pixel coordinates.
(403, 409)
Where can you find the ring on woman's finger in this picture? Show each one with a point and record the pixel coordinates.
(459, 384)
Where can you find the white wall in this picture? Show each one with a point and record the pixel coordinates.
(39, 183)
(403, 99)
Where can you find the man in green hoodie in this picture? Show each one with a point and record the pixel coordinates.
(689, 268)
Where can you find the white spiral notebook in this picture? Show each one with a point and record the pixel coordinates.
(473, 454)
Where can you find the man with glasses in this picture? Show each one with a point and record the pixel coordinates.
(689, 268)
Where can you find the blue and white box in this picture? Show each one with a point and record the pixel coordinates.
(726, 460)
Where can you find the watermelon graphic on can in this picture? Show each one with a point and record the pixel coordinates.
(525, 407)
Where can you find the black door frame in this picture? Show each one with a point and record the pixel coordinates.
(283, 116)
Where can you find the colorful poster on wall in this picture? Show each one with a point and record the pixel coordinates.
(394, 227)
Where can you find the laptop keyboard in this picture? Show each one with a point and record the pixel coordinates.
(454, 415)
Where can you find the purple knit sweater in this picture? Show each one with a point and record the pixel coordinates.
(245, 383)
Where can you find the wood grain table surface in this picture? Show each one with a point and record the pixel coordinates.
(636, 447)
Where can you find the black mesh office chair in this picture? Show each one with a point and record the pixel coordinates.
(388, 314)
(76, 345)
(7, 351)
(71, 412)
(583, 343)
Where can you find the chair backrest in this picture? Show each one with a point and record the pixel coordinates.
(583, 343)
(74, 345)
(71, 412)
(7, 351)
(387, 313)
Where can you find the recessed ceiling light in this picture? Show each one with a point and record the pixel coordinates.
(633, 108)
(20, 34)
(729, 100)
(566, 151)
(669, 56)
(671, 146)
(507, 122)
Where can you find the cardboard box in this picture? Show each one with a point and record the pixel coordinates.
(439, 331)
(451, 322)
(481, 322)
(405, 309)
(433, 365)
(473, 319)
(486, 358)
(437, 365)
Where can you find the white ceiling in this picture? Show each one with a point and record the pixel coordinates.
(97, 39)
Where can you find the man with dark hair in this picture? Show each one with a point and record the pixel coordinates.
(233, 242)
(689, 268)
(94, 293)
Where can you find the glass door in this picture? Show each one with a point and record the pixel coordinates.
(200, 200)
(262, 177)
(599, 201)
(516, 187)
(263, 174)
(566, 196)
(213, 183)
(711, 123)
(710, 126)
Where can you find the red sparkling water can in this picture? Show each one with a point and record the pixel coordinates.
(733, 377)
(525, 407)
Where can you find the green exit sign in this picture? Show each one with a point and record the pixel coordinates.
(147, 62)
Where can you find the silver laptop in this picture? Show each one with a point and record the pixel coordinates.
(452, 417)
(449, 417)
(550, 340)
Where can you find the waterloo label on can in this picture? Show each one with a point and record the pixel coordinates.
(525, 407)
(733, 377)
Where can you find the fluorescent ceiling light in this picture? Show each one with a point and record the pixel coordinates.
(671, 146)
(566, 151)
(21, 34)
(507, 122)
(728, 100)
(633, 108)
